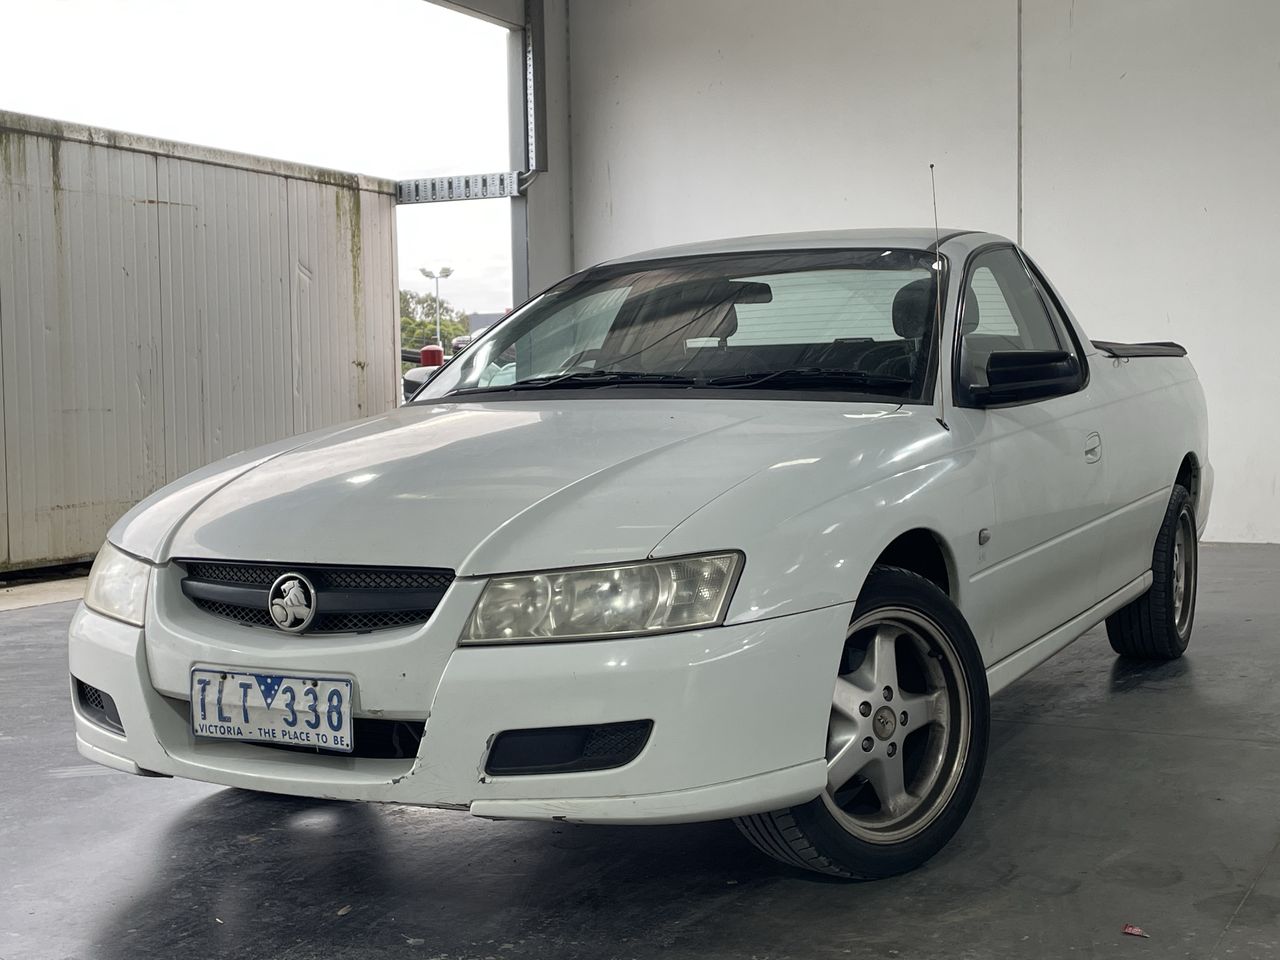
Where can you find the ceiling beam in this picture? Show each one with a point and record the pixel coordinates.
(505, 13)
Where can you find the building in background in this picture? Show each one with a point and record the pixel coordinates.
(167, 305)
(479, 322)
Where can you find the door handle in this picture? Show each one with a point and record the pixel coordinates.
(1093, 448)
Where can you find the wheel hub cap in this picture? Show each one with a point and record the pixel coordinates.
(885, 723)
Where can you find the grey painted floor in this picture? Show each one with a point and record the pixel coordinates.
(1114, 793)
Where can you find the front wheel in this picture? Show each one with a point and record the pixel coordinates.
(906, 739)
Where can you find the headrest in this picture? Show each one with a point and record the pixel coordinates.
(727, 326)
(913, 309)
(969, 319)
(703, 309)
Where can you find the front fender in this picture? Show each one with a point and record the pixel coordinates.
(810, 541)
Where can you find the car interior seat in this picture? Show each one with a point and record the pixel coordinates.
(912, 314)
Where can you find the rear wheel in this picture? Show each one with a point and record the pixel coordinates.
(906, 739)
(1157, 626)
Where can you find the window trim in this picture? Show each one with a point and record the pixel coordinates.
(1057, 313)
(1057, 321)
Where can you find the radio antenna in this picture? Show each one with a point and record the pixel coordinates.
(937, 301)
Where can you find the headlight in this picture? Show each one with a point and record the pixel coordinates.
(118, 586)
(637, 598)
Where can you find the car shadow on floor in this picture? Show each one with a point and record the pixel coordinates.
(1128, 674)
(256, 875)
(244, 875)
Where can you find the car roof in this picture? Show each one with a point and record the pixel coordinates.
(954, 241)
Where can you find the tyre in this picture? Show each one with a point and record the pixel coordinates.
(906, 741)
(1157, 626)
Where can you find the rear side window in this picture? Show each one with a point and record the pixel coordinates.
(993, 309)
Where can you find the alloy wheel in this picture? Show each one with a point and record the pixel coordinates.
(1184, 573)
(899, 728)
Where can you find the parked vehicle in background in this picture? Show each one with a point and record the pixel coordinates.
(414, 378)
(745, 529)
(458, 344)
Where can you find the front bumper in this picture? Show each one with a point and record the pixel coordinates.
(739, 713)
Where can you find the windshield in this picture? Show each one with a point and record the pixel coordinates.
(828, 323)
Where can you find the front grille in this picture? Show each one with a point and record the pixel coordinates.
(233, 611)
(323, 623)
(252, 573)
(347, 599)
(324, 577)
(363, 622)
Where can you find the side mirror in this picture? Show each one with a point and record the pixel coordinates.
(414, 379)
(1017, 375)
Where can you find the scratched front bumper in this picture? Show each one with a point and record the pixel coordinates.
(739, 715)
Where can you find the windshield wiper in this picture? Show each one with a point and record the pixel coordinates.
(591, 378)
(814, 377)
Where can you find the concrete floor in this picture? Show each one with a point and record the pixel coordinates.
(1114, 793)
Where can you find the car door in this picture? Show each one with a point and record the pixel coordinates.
(1140, 462)
(1037, 564)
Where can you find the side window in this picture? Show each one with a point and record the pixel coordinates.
(1002, 311)
(1066, 333)
(993, 310)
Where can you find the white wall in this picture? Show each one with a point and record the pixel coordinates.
(1152, 149)
(1150, 144)
(723, 117)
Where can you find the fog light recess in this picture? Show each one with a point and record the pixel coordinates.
(546, 750)
(97, 706)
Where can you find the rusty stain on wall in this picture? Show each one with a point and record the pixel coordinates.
(347, 204)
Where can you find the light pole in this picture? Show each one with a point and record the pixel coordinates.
(437, 275)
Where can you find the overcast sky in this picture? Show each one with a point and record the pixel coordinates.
(395, 88)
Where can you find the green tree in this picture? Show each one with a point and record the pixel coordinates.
(418, 320)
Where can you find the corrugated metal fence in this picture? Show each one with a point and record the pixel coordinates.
(163, 305)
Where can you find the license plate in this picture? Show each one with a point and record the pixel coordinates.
(236, 704)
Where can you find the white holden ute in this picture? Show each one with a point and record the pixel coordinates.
(749, 529)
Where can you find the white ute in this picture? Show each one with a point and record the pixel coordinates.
(745, 529)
